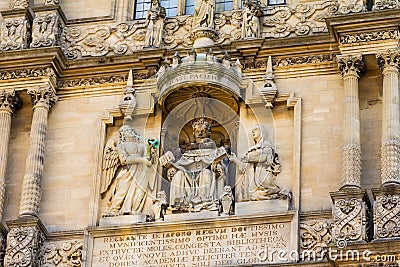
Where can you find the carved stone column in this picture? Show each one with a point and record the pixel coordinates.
(387, 198)
(351, 67)
(390, 158)
(43, 99)
(9, 102)
(350, 204)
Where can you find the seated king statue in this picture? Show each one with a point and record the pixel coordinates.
(193, 179)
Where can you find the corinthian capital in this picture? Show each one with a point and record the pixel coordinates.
(351, 65)
(42, 96)
(388, 59)
(9, 101)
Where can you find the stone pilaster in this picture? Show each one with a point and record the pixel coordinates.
(43, 99)
(390, 157)
(386, 212)
(351, 67)
(15, 29)
(351, 213)
(24, 239)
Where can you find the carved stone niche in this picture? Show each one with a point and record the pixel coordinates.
(386, 211)
(351, 217)
(15, 29)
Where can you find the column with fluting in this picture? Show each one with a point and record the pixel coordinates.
(390, 150)
(351, 67)
(9, 102)
(43, 99)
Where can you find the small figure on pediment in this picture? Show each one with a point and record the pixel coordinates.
(160, 206)
(155, 25)
(226, 201)
(251, 19)
(128, 172)
(203, 14)
(258, 170)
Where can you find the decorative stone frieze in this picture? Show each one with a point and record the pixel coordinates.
(51, 2)
(23, 242)
(351, 6)
(24, 73)
(15, 33)
(385, 4)
(350, 210)
(92, 81)
(315, 237)
(351, 67)
(390, 158)
(46, 29)
(62, 253)
(386, 213)
(43, 99)
(369, 36)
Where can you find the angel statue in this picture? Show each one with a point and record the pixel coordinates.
(128, 172)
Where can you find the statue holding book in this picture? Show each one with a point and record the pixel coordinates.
(193, 180)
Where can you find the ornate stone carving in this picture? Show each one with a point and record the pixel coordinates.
(304, 19)
(251, 22)
(160, 206)
(155, 25)
(22, 246)
(24, 73)
(99, 80)
(20, 4)
(390, 164)
(42, 95)
(351, 174)
(204, 14)
(51, 2)
(351, 6)
(350, 216)
(135, 179)
(3, 246)
(45, 31)
(10, 100)
(369, 36)
(315, 237)
(385, 4)
(14, 34)
(389, 59)
(62, 253)
(387, 216)
(258, 170)
(226, 201)
(193, 185)
(350, 64)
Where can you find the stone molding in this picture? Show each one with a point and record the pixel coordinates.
(350, 65)
(350, 216)
(10, 101)
(61, 253)
(369, 36)
(24, 73)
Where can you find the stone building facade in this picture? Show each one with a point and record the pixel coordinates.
(199, 133)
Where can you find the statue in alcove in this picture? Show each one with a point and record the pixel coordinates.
(155, 25)
(128, 172)
(251, 19)
(203, 14)
(258, 170)
(194, 176)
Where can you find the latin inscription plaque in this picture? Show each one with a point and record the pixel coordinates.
(218, 246)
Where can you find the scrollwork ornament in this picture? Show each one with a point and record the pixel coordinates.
(45, 32)
(60, 254)
(385, 4)
(315, 236)
(386, 216)
(14, 34)
(20, 4)
(349, 219)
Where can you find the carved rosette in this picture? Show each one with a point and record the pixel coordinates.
(46, 30)
(22, 246)
(64, 253)
(315, 237)
(350, 65)
(9, 101)
(351, 165)
(15, 33)
(350, 216)
(387, 216)
(385, 4)
(19, 4)
(351, 6)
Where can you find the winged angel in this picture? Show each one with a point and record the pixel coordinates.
(128, 172)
